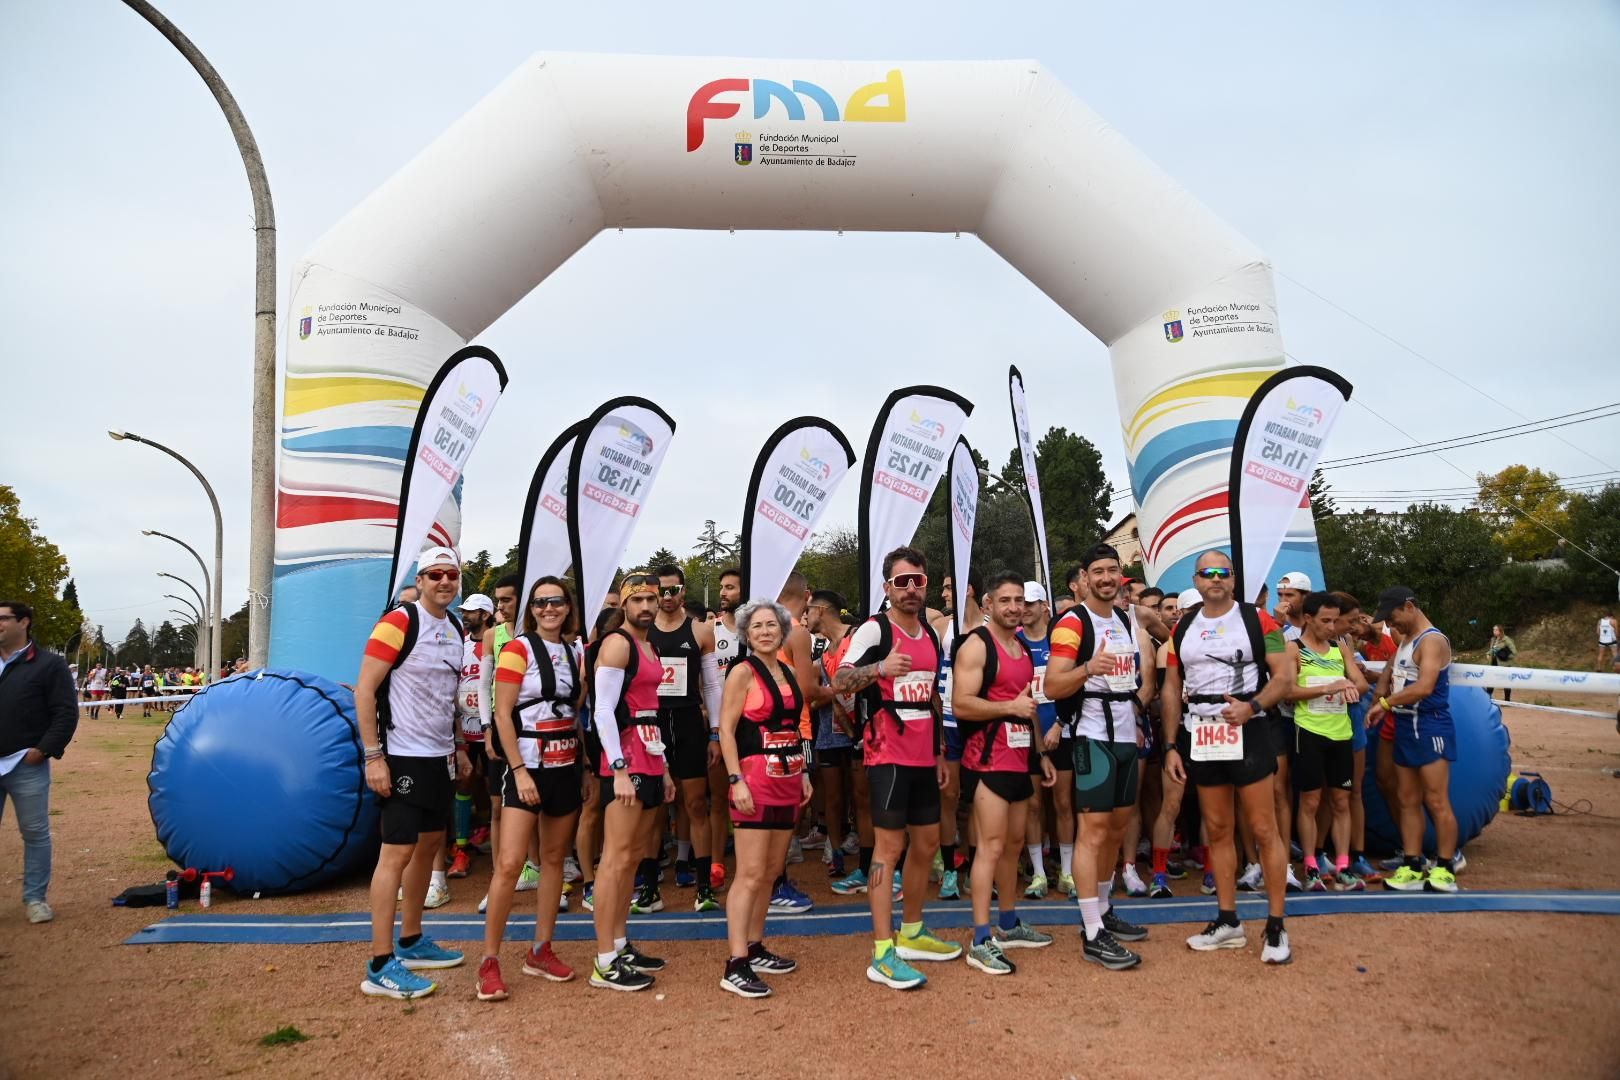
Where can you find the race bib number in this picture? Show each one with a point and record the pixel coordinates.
(1331, 703)
(1216, 740)
(673, 682)
(1037, 687)
(786, 765)
(559, 753)
(652, 737)
(1017, 736)
(1122, 680)
(915, 686)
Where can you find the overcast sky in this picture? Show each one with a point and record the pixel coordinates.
(1446, 172)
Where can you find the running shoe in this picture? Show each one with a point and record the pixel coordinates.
(852, 844)
(854, 883)
(684, 878)
(765, 962)
(1279, 953)
(571, 870)
(646, 901)
(426, 955)
(647, 965)
(717, 875)
(1440, 880)
(1405, 879)
(1345, 881)
(987, 957)
(834, 862)
(1362, 868)
(705, 900)
(892, 971)
(1160, 890)
(1037, 888)
(1198, 857)
(1121, 929)
(950, 887)
(1253, 879)
(1021, 936)
(543, 962)
(1295, 852)
(1293, 884)
(1218, 935)
(562, 901)
(795, 851)
(1104, 950)
(815, 838)
(460, 863)
(619, 975)
(741, 979)
(491, 987)
(438, 895)
(897, 890)
(1208, 885)
(1460, 863)
(787, 900)
(529, 880)
(936, 869)
(1065, 884)
(396, 981)
(483, 905)
(1393, 863)
(1133, 881)
(1322, 859)
(479, 840)
(923, 945)
(587, 902)
(1175, 870)
(1313, 880)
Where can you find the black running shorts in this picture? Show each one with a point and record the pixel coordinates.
(903, 795)
(688, 756)
(649, 789)
(558, 787)
(1320, 761)
(1008, 786)
(1258, 762)
(419, 802)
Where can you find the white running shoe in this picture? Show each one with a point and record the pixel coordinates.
(571, 871)
(562, 903)
(483, 905)
(1134, 885)
(1253, 879)
(815, 838)
(437, 895)
(795, 851)
(1218, 935)
(1293, 884)
(1278, 953)
(852, 844)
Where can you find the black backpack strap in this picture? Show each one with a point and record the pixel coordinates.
(1257, 641)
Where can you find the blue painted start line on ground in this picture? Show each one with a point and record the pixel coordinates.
(270, 929)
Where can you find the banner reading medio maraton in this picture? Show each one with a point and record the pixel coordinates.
(964, 493)
(800, 467)
(1032, 481)
(543, 547)
(905, 461)
(1279, 441)
(611, 473)
(456, 408)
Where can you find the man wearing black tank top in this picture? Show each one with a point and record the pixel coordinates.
(691, 684)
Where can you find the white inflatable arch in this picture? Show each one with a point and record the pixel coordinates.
(573, 144)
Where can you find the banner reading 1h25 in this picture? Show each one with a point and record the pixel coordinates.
(905, 460)
(1279, 441)
(455, 410)
(610, 475)
(802, 464)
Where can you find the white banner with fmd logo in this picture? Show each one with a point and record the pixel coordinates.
(1279, 441)
(964, 493)
(802, 464)
(1032, 480)
(543, 549)
(905, 461)
(455, 410)
(610, 475)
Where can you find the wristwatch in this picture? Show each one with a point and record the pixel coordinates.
(617, 764)
(734, 778)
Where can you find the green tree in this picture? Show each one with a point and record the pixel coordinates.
(662, 557)
(170, 648)
(832, 561)
(1594, 527)
(1515, 496)
(1322, 504)
(137, 646)
(475, 575)
(1077, 497)
(32, 571)
(234, 636)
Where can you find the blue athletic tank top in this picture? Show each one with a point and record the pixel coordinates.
(1435, 707)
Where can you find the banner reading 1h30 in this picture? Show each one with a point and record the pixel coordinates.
(802, 464)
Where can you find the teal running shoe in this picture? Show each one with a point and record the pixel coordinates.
(854, 882)
(395, 980)
(892, 971)
(426, 955)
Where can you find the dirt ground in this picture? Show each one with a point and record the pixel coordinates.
(1465, 995)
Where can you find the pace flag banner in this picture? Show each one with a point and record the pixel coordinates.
(1279, 441)
(905, 461)
(963, 487)
(543, 547)
(610, 474)
(1032, 481)
(802, 464)
(455, 410)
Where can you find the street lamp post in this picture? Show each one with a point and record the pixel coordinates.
(204, 605)
(207, 584)
(217, 649)
(262, 504)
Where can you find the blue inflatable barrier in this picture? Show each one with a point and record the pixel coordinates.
(1478, 776)
(264, 773)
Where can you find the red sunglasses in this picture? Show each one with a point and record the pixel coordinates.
(440, 575)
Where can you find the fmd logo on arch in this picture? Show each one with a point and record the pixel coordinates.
(858, 109)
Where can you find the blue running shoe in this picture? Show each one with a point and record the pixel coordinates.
(426, 954)
(1160, 889)
(684, 878)
(855, 882)
(1208, 887)
(1362, 868)
(787, 900)
(396, 981)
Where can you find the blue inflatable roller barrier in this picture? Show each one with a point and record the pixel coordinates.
(1478, 776)
(264, 773)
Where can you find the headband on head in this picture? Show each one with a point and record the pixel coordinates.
(637, 585)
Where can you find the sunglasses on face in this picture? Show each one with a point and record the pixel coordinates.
(440, 575)
(670, 590)
(540, 603)
(1215, 573)
(640, 579)
(909, 581)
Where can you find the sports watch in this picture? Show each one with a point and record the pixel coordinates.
(617, 764)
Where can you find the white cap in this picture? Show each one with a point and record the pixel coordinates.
(1188, 598)
(438, 556)
(1034, 592)
(1294, 580)
(478, 602)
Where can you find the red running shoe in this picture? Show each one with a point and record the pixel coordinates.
(544, 962)
(717, 875)
(491, 987)
(479, 839)
(459, 864)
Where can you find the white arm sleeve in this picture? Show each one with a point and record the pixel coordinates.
(713, 689)
(486, 691)
(609, 685)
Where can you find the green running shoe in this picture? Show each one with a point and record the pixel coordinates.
(923, 945)
(1440, 880)
(1037, 888)
(1405, 879)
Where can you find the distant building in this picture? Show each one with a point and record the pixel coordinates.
(1123, 538)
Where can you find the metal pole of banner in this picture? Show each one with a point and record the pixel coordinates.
(216, 650)
(262, 501)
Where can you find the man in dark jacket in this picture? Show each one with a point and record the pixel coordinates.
(37, 717)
